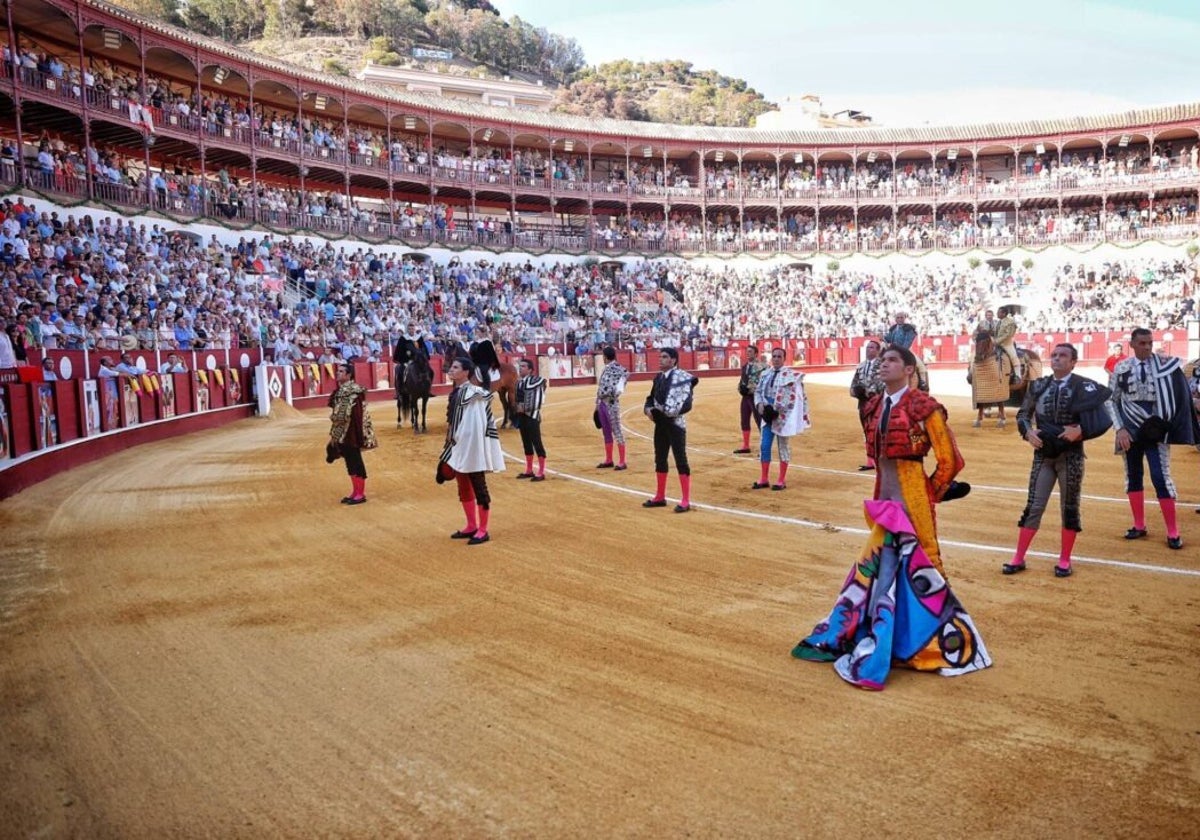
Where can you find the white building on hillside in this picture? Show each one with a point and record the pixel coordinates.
(804, 113)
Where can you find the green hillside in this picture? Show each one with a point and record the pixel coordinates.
(338, 36)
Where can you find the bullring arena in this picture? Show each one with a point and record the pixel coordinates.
(197, 640)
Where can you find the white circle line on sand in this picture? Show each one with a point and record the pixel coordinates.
(849, 529)
(869, 475)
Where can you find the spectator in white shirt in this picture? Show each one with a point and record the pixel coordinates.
(8, 356)
(173, 364)
(50, 331)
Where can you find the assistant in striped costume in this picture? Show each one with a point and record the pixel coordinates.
(1150, 409)
(531, 393)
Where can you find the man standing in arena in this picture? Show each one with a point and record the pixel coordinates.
(350, 431)
(783, 406)
(531, 393)
(608, 409)
(1050, 421)
(1006, 332)
(896, 604)
(1150, 409)
(472, 450)
(901, 426)
(669, 400)
(865, 384)
(747, 384)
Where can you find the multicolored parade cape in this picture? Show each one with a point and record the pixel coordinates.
(895, 606)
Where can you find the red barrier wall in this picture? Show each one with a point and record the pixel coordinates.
(51, 416)
(48, 419)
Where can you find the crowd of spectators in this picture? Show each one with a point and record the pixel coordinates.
(940, 300)
(840, 231)
(109, 285)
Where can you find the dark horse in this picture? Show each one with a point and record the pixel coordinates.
(414, 387)
(987, 352)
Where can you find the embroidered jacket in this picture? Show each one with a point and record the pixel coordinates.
(866, 379)
(531, 393)
(1075, 403)
(1006, 331)
(783, 388)
(472, 442)
(612, 383)
(751, 371)
(916, 425)
(1164, 394)
(350, 422)
(671, 395)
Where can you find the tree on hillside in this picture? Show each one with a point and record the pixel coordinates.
(229, 20)
(399, 20)
(164, 10)
(669, 92)
(562, 58)
(286, 19)
(594, 99)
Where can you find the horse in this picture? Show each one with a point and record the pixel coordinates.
(990, 375)
(414, 387)
(505, 386)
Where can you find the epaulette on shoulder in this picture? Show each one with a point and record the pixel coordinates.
(921, 405)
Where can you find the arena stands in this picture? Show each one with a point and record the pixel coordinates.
(130, 122)
(112, 285)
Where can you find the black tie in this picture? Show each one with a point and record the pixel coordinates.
(1143, 374)
(883, 420)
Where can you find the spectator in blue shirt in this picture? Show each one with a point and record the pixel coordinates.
(184, 334)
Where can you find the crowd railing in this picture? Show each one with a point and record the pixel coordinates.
(178, 201)
(1098, 178)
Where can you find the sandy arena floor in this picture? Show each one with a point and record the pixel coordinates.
(196, 639)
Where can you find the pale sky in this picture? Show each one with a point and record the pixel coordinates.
(909, 64)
